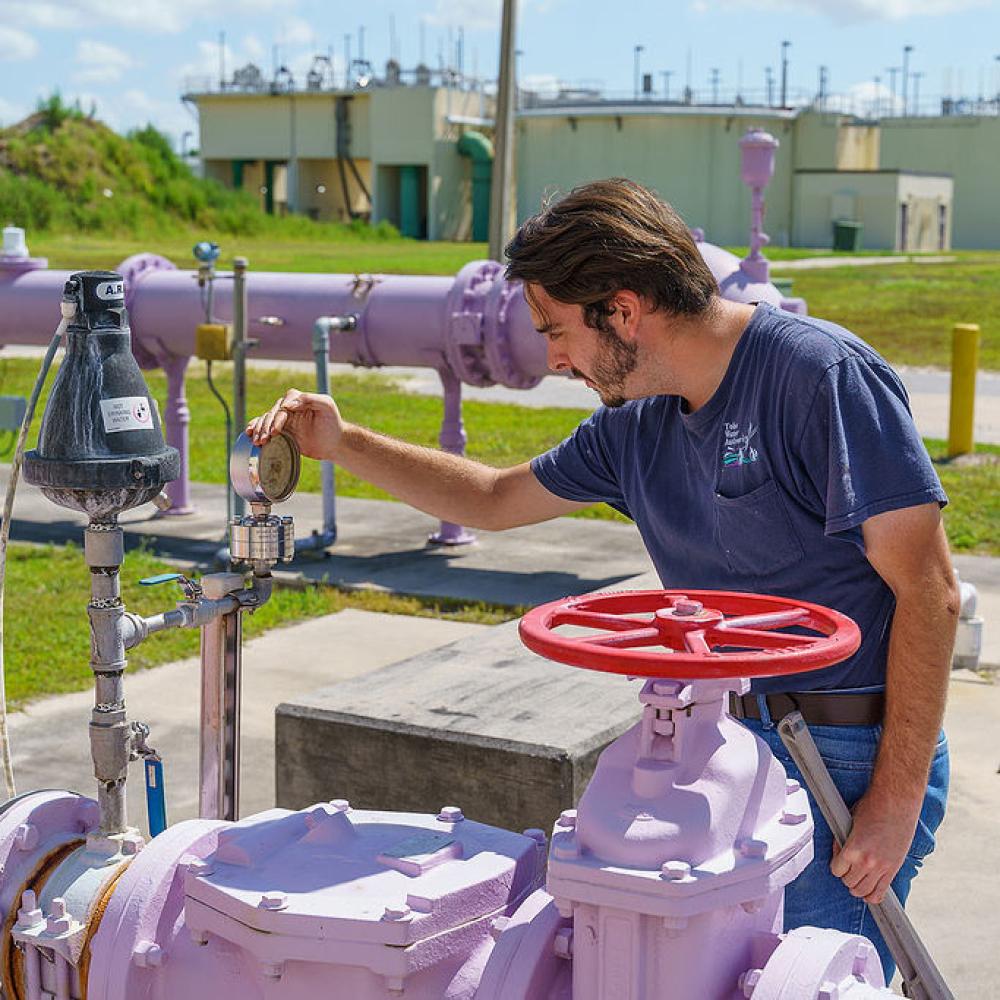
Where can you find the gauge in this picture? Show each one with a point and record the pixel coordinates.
(266, 473)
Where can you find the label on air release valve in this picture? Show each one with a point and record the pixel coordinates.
(126, 413)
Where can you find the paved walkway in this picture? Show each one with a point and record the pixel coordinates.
(811, 263)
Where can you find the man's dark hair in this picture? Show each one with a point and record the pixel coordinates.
(607, 236)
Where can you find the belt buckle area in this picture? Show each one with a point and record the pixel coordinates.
(736, 709)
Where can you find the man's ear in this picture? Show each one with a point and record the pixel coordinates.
(628, 306)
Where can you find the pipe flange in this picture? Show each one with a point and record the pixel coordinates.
(496, 336)
(464, 311)
(133, 269)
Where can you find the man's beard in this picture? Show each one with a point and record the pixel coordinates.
(613, 365)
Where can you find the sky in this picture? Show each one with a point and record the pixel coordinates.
(132, 59)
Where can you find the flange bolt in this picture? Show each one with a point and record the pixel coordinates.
(675, 871)
(567, 819)
(273, 901)
(451, 814)
(748, 982)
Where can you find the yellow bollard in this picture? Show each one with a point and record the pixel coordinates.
(964, 365)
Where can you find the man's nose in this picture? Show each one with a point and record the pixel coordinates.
(556, 359)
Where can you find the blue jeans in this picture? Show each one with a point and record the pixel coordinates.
(817, 897)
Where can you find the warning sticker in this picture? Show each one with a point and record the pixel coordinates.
(126, 413)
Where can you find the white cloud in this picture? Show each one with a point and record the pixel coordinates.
(10, 113)
(868, 99)
(254, 48)
(100, 62)
(848, 11)
(16, 44)
(296, 31)
(153, 16)
(541, 83)
(137, 109)
(470, 14)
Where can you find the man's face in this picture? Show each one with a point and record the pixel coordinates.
(602, 358)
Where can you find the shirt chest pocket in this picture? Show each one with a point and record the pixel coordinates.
(755, 531)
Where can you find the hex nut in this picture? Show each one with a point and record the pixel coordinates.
(675, 871)
(567, 819)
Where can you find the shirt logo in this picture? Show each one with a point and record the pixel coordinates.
(737, 449)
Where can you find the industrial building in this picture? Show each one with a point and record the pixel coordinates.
(415, 150)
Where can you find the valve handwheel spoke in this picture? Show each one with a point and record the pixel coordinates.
(690, 635)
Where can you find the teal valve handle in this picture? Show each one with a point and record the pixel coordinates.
(156, 802)
(152, 581)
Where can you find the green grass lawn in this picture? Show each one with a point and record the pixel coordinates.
(51, 584)
(907, 311)
(395, 255)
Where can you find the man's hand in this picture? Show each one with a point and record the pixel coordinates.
(876, 848)
(313, 420)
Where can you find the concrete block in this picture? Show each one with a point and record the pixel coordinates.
(482, 723)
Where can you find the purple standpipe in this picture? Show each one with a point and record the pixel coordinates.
(757, 150)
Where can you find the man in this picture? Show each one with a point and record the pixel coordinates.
(755, 451)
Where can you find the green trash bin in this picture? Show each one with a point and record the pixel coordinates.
(847, 235)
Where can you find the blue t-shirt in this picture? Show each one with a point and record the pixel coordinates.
(765, 488)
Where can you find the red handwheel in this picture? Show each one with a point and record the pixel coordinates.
(690, 635)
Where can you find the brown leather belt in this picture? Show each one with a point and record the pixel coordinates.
(818, 708)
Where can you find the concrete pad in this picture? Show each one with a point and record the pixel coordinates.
(50, 738)
(955, 900)
(483, 723)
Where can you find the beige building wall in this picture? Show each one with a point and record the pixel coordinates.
(876, 200)
(857, 147)
(824, 197)
(967, 148)
(929, 205)
(450, 208)
(691, 158)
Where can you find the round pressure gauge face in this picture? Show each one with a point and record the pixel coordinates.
(266, 473)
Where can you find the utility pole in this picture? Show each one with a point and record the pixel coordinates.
(916, 92)
(668, 73)
(222, 60)
(503, 160)
(784, 73)
(907, 49)
(821, 97)
(892, 71)
(769, 77)
(347, 62)
(715, 85)
(878, 96)
(637, 52)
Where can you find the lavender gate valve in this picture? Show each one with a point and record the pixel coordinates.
(668, 880)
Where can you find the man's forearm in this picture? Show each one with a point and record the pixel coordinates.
(920, 648)
(440, 484)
